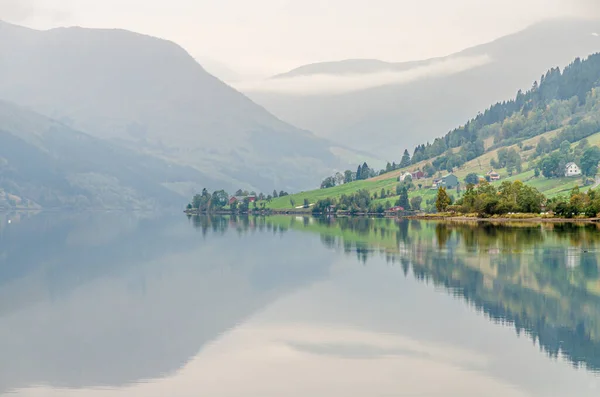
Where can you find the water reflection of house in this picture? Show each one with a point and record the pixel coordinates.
(573, 257)
(405, 249)
(494, 251)
(419, 252)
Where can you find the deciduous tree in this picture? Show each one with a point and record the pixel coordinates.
(472, 179)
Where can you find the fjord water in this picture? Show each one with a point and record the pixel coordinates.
(114, 304)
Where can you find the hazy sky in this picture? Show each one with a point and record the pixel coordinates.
(271, 36)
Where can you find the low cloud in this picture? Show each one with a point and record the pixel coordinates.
(19, 11)
(338, 84)
(16, 10)
(588, 8)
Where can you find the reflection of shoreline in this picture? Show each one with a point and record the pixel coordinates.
(542, 278)
(17, 210)
(433, 217)
(503, 220)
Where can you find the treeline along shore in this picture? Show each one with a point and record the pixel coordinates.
(509, 201)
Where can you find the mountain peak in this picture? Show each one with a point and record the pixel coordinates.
(397, 111)
(6, 24)
(149, 93)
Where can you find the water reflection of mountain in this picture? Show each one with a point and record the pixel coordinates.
(542, 279)
(105, 300)
(95, 300)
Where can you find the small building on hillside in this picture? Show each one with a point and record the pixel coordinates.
(240, 199)
(572, 169)
(404, 176)
(416, 175)
(494, 176)
(396, 209)
(449, 181)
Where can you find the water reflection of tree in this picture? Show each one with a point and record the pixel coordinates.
(543, 279)
(518, 274)
(537, 292)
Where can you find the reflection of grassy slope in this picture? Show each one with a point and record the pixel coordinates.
(376, 233)
(371, 237)
(546, 302)
(543, 278)
(512, 274)
(554, 321)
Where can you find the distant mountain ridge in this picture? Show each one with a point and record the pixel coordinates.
(391, 117)
(44, 163)
(151, 96)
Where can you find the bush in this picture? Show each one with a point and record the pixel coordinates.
(454, 209)
(322, 206)
(565, 210)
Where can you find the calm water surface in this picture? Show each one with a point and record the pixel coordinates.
(141, 305)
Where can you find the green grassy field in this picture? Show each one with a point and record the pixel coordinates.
(314, 195)
(480, 165)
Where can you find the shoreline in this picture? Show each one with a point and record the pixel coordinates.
(415, 217)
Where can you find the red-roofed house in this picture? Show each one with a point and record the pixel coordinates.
(418, 175)
(240, 199)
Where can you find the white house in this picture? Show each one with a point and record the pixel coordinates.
(404, 176)
(572, 169)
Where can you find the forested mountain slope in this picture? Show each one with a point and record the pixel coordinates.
(529, 138)
(44, 163)
(406, 111)
(150, 95)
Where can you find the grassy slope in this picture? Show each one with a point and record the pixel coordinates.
(480, 165)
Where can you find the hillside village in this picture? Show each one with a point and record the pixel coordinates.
(547, 137)
(384, 188)
(541, 137)
(425, 186)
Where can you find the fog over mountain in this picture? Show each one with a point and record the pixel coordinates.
(356, 75)
(384, 107)
(147, 96)
(151, 96)
(45, 163)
